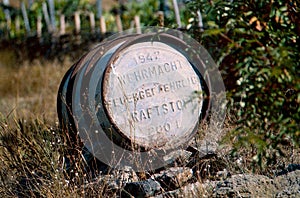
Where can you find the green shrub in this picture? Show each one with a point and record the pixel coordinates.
(256, 44)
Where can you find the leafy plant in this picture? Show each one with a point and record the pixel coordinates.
(256, 44)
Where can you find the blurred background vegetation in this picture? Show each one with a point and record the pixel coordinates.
(255, 43)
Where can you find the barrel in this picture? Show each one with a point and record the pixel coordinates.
(142, 92)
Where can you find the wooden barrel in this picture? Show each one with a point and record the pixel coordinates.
(145, 91)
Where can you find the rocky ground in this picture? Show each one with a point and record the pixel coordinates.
(194, 179)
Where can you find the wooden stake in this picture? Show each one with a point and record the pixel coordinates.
(102, 25)
(25, 17)
(137, 24)
(77, 22)
(52, 14)
(200, 23)
(39, 26)
(99, 8)
(46, 16)
(7, 16)
(177, 14)
(8, 22)
(119, 23)
(62, 24)
(17, 24)
(92, 21)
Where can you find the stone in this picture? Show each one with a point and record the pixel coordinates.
(177, 158)
(145, 188)
(125, 175)
(115, 180)
(245, 185)
(206, 166)
(248, 185)
(174, 177)
(288, 185)
(289, 168)
(196, 189)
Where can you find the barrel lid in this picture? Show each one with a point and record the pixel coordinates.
(152, 94)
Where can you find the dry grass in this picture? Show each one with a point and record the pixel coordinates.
(32, 147)
(29, 90)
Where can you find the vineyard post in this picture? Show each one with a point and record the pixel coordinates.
(62, 24)
(46, 16)
(7, 15)
(92, 21)
(39, 26)
(102, 25)
(25, 17)
(77, 22)
(99, 8)
(52, 14)
(137, 22)
(119, 23)
(17, 24)
(200, 21)
(177, 14)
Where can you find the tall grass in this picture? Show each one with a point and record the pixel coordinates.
(29, 90)
(34, 156)
(34, 162)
